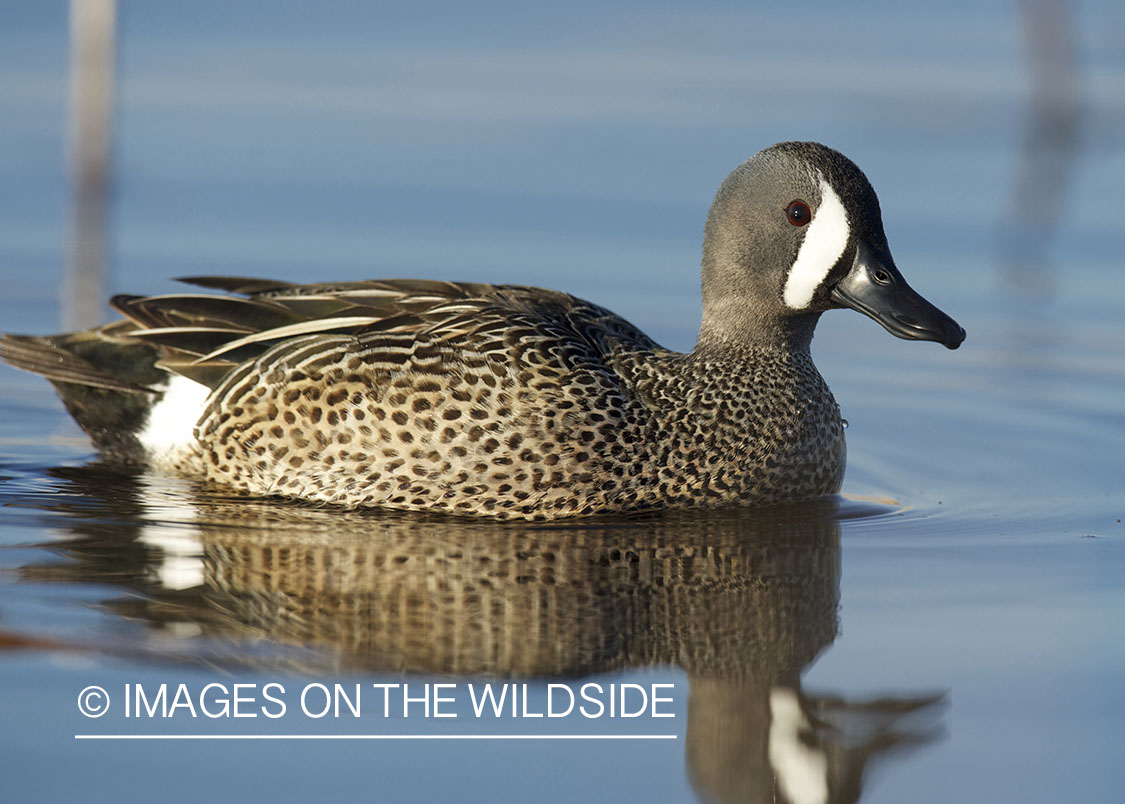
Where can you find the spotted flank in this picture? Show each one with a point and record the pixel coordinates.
(503, 400)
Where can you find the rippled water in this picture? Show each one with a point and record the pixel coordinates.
(951, 629)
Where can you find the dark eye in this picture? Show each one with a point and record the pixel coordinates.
(798, 212)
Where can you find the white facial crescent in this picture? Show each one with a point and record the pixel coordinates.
(825, 240)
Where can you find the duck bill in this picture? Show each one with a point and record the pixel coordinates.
(875, 288)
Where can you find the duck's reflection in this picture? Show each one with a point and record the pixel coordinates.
(742, 601)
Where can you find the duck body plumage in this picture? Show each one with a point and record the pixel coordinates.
(497, 400)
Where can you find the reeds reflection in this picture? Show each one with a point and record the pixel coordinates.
(742, 601)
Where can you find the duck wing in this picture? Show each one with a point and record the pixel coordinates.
(204, 336)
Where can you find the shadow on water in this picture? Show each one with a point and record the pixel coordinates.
(742, 601)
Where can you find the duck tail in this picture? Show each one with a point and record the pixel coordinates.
(106, 380)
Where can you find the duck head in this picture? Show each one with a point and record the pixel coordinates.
(794, 231)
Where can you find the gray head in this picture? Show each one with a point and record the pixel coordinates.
(794, 231)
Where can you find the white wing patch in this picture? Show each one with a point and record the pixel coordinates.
(825, 240)
(170, 428)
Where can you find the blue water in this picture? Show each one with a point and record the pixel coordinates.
(978, 555)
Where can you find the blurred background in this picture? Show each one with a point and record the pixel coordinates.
(578, 147)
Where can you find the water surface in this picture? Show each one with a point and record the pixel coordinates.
(953, 624)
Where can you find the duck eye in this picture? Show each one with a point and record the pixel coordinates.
(798, 213)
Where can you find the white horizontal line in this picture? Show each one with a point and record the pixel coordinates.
(375, 736)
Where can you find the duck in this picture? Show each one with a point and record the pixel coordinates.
(508, 401)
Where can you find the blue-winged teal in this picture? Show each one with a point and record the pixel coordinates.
(503, 400)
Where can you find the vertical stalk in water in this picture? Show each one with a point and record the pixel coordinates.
(92, 32)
